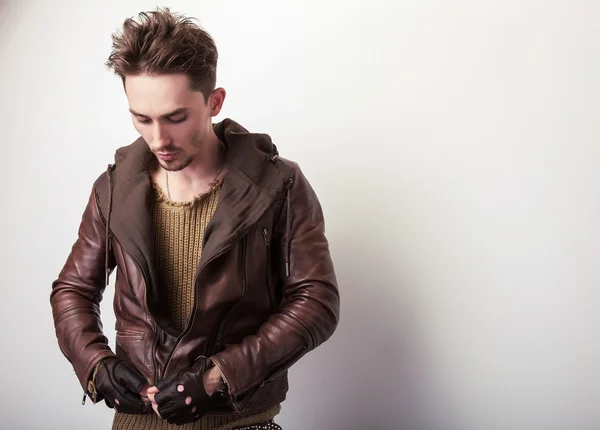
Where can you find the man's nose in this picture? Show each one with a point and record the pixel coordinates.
(160, 137)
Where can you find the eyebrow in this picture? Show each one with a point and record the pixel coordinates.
(167, 115)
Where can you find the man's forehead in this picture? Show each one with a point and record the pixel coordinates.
(159, 96)
(166, 88)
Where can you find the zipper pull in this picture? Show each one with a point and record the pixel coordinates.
(109, 250)
(266, 236)
(84, 398)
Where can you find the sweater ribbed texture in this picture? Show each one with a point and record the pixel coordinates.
(178, 232)
(208, 422)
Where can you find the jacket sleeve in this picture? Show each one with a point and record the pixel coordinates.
(76, 295)
(309, 312)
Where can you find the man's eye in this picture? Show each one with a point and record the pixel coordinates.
(143, 121)
(177, 120)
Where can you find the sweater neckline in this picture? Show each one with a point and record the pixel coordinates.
(162, 198)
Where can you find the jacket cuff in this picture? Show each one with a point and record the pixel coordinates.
(234, 397)
(89, 375)
(92, 392)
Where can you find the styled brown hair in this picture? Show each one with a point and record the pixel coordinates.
(163, 42)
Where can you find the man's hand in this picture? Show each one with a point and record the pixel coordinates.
(213, 380)
(183, 398)
(120, 386)
(144, 393)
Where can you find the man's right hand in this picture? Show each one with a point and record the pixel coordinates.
(121, 385)
(182, 398)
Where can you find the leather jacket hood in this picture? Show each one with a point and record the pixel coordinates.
(265, 287)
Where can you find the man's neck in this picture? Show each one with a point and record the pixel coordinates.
(196, 178)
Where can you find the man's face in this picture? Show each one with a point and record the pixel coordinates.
(174, 120)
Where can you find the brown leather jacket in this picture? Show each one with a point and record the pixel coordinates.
(265, 290)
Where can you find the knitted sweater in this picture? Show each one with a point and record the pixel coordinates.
(178, 231)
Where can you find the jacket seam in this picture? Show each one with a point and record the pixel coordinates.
(62, 316)
(308, 332)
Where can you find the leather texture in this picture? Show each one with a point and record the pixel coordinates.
(265, 289)
(119, 385)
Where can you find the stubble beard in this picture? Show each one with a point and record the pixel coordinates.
(178, 165)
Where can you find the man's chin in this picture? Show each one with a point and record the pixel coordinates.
(174, 165)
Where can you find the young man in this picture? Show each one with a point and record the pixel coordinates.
(224, 277)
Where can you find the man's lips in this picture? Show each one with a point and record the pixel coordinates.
(167, 155)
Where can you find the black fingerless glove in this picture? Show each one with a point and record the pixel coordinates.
(172, 402)
(120, 386)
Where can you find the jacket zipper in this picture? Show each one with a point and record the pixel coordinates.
(107, 274)
(266, 237)
(193, 313)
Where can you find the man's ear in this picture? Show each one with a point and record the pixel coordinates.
(216, 100)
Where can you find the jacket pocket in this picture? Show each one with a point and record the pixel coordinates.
(124, 336)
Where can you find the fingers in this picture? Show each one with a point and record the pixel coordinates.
(155, 407)
(151, 398)
(145, 398)
(212, 380)
(144, 391)
(151, 392)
